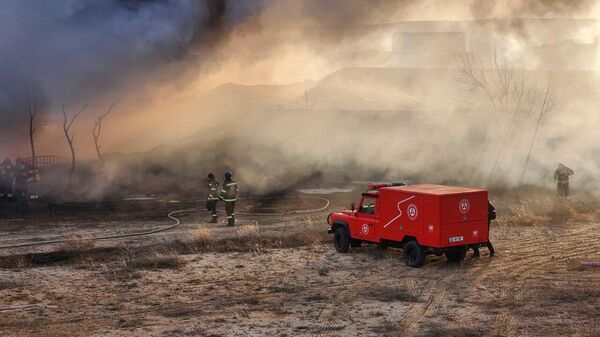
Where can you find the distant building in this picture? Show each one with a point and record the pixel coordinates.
(427, 49)
(565, 54)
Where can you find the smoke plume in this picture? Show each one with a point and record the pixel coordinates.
(282, 92)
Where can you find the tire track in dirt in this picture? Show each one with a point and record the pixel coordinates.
(539, 254)
(505, 322)
(227, 302)
(535, 257)
(430, 299)
(330, 317)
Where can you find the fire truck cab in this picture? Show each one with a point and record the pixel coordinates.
(421, 219)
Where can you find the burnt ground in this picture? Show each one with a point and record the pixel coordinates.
(280, 276)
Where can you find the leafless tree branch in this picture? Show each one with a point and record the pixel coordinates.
(70, 136)
(98, 129)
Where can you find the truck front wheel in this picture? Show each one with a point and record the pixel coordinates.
(456, 254)
(414, 254)
(341, 238)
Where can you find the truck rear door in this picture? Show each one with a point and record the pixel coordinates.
(464, 218)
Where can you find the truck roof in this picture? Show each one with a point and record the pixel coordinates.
(433, 189)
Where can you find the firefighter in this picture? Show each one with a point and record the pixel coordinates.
(6, 178)
(21, 173)
(229, 192)
(561, 175)
(491, 216)
(212, 196)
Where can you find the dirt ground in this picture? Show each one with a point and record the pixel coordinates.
(231, 282)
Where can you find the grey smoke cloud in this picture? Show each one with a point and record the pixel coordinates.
(82, 50)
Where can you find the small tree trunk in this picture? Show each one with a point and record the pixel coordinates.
(31, 132)
(72, 159)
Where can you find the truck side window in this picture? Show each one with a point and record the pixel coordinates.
(368, 206)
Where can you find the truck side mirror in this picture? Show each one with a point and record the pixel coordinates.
(352, 207)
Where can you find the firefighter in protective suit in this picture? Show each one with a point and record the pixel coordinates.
(561, 175)
(229, 192)
(212, 196)
(491, 216)
(6, 179)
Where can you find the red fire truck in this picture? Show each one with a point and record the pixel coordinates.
(421, 219)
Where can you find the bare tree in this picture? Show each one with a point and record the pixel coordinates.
(548, 105)
(511, 96)
(67, 123)
(32, 110)
(497, 79)
(98, 129)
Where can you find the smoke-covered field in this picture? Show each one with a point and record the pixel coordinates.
(125, 106)
(281, 92)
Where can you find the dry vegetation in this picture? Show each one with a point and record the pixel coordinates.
(154, 260)
(263, 280)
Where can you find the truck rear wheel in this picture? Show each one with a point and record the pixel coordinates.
(456, 254)
(341, 239)
(414, 254)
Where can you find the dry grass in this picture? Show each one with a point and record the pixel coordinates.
(437, 330)
(544, 211)
(202, 236)
(523, 215)
(575, 295)
(249, 232)
(77, 245)
(155, 260)
(7, 285)
(16, 262)
(82, 253)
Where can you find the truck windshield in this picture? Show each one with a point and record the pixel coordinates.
(368, 205)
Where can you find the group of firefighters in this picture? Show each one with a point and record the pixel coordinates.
(227, 192)
(16, 179)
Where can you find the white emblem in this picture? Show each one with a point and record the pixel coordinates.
(412, 211)
(464, 206)
(365, 229)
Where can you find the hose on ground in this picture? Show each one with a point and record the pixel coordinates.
(167, 228)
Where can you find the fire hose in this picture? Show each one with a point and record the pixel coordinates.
(175, 225)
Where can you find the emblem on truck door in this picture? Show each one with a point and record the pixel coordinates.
(412, 211)
(464, 206)
(365, 229)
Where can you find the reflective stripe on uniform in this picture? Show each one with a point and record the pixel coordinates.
(229, 217)
(230, 184)
(213, 198)
(229, 200)
(224, 191)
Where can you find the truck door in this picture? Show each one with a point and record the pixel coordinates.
(367, 219)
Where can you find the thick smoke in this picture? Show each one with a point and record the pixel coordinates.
(74, 52)
(288, 91)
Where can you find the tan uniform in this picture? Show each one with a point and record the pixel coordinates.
(561, 175)
(212, 196)
(229, 192)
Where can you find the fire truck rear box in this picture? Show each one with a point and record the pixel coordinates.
(438, 216)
